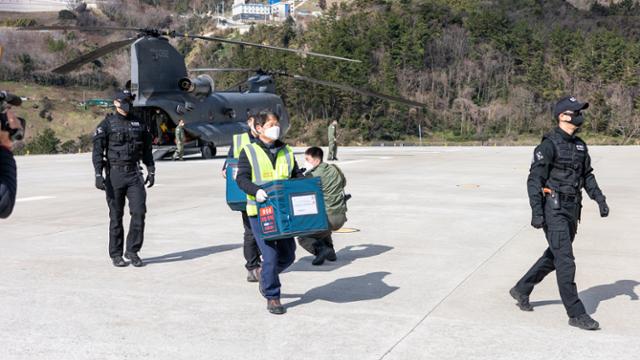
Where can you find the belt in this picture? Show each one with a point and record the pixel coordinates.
(569, 198)
(126, 167)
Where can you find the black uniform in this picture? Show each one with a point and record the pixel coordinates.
(123, 142)
(8, 183)
(560, 163)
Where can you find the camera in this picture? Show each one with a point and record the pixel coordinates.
(7, 99)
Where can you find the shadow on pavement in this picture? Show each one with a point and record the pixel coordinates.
(592, 297)
(345, 257)
(191, 254)
(360, 288)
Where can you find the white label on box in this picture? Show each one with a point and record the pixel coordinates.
(304, 205)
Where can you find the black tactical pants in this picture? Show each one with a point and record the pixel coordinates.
(560, 229)
(251, 250)
(314, 242)
(125, 182)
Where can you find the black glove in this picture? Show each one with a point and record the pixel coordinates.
(604, 208)
(151, 179)
(100, 182)
(537, 222)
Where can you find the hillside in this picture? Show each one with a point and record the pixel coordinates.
(489, 70)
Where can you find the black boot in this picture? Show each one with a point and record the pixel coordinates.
(332, 254)
(323, 252)
(135, 259)
(584, 322)
(118, 261)
(523, 300)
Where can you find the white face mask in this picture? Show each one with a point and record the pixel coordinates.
(272, 133)
(308, 165)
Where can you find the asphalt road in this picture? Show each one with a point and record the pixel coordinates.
(443, 236)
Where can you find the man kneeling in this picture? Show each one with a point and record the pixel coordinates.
(333, 184)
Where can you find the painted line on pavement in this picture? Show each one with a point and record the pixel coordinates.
(340, 163)
(453, 291)
(35, 198)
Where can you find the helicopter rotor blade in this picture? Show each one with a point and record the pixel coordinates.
(156, 32)
(79, 28)
(93, 55)
(236, 86)
(356, 90)
(223, 70)
(237, 42)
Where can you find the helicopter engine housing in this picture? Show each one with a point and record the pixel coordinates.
(203, 85)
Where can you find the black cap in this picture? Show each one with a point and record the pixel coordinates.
(568, 103)
(11, 99)
(124, 95)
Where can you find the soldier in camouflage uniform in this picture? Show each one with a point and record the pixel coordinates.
(179, 141)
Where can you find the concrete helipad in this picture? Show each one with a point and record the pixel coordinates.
(443, 236)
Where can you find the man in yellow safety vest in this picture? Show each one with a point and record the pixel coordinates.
(250, 247)
(266, 160)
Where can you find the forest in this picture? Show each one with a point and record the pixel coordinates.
(488, 71)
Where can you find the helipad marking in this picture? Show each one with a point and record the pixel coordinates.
(346, 230)
(468, 186)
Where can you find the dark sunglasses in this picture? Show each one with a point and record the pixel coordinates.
(573, 113)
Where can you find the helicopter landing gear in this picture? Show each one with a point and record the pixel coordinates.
(208, 151)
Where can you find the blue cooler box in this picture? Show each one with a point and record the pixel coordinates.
(294, 208)
(236, 198)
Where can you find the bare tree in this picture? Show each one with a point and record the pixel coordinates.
(72, 4)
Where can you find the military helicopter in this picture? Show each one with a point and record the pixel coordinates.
(164, 92)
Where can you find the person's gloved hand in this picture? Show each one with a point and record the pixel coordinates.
(151, 179)
(100, 182)
(537, 222)
(604, 208)
(261, 196)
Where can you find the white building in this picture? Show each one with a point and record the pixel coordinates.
(280, 11)
(243, 11)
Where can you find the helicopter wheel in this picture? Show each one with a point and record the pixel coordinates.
(208, 151)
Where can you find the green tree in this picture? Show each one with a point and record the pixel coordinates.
(44, 143)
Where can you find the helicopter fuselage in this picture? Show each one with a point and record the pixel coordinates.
(164, 95)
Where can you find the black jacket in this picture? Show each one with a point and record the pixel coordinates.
(8, 183)
(244, 168)
(541, 165)
(131, 148)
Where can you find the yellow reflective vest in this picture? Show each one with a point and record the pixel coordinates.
(239, 142)
(263, 171)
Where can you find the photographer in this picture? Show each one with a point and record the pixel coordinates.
(10, 129)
